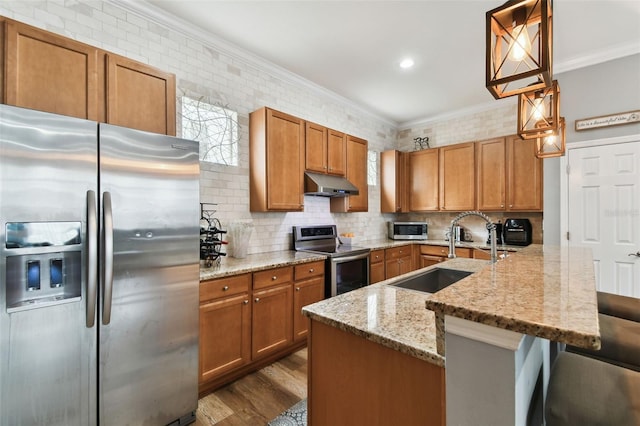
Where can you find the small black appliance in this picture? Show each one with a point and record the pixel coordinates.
(498, 234)
(517, 232)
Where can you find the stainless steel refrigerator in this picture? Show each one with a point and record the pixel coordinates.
(99, 272)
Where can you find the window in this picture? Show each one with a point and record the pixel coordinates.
(215, 127)
(372, 168)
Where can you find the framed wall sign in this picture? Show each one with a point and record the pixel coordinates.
(608, 120)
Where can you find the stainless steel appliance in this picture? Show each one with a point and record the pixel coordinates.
(347, 266)
(407, 230)
(517, 232)
(99, 273)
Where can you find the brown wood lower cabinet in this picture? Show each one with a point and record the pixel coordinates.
(432, 255)
(353, 381)
(249, 320)
(376, 266)
(308, 289)
(398, 261)
(225, 325)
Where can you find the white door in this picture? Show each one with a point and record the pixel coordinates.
(604, 212)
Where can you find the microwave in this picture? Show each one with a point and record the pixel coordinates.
(407, 230)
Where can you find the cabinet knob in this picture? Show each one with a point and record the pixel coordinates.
(501, 205)
(510, 205)
(297, 288)
(273, 278)
(246, 302)
(225, 288)
(257, 299)
(311, 270)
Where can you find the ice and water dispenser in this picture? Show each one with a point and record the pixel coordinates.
(43, 264)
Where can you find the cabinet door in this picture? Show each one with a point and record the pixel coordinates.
(491, 174)
(272, 321)
(392, 268)
(306, 292)
(316, 148)
(457, 177)
(376, 272)
(427, 260)
(357, 175)
(524, 176)
(284, 162)
(424, 180)
(392, 182)
(336, 153)
(405, 264)
(225, 333)
(51, 73)
(140, 97)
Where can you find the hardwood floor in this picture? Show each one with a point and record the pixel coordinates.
(259, 397)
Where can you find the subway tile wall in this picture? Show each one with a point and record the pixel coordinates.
(213, 70)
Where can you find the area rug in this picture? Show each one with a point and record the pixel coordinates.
(294, 416)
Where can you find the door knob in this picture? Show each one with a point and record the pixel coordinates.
(635, 254)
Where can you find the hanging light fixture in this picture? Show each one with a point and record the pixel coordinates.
(552, 144)
(519, 47)
(538, 111)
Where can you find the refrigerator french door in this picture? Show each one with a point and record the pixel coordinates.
(99, 273)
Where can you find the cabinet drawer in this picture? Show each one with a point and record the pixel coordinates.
(398, 252)
(376, 256)
(223, 287)
(308, 270)
(272, 277)
(434, 250)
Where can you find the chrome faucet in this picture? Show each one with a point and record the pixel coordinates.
(490, 226)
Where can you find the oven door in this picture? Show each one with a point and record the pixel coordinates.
(348, 273)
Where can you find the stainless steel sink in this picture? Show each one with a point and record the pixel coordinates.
(433, 280)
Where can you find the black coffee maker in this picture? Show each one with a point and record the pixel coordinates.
(498, 234)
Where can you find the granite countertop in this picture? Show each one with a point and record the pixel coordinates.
(547, 292)
(542, 291)
(256, 262)
(391, 316)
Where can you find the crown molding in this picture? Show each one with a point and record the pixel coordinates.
(598, 57)
(145, 9)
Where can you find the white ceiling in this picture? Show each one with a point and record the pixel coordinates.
(353, 48)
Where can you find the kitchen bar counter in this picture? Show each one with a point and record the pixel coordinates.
(542, 291)
(256, 262)
(545, 292)
(386, 243)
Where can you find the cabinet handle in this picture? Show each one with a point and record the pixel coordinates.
(273, 278)
(297, 288)
(225, 288)
(257, 299)
(246, 302)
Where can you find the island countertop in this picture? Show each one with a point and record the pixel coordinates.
(543, 291)
(391, 316)
(547, 292)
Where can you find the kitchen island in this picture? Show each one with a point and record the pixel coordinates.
(496, 320)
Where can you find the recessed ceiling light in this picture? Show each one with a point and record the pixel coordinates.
(406, 63)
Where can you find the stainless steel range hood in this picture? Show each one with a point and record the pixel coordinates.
(327, 185)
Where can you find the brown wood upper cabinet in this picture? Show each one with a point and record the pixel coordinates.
(325, 150)
(509, 176)
(52, 73)
(457, 177)
(393, 177)
(357, 151)
(276, 161)
(424, 180)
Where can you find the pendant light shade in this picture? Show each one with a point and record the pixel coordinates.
(538, 112)
(519, 47)
(552, 144)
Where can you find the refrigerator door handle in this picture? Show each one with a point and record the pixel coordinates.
(92, 258)
(107, 221)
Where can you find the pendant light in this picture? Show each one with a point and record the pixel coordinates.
(552, 144)
(519, 47)
(538, 111)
